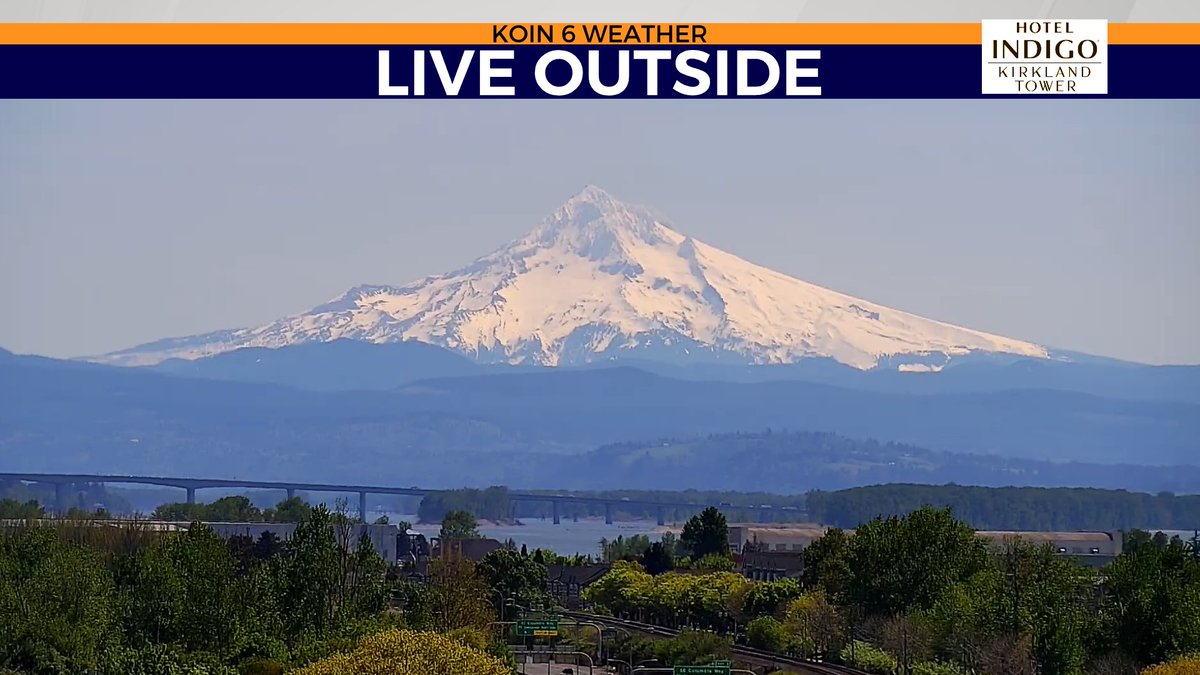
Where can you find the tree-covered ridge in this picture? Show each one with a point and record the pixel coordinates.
(624, 504)
(784, 461)
(1011, 508)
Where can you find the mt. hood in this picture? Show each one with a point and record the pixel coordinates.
(600, 279)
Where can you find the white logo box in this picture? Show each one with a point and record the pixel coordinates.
(1045, 56)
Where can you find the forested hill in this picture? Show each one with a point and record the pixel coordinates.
(984, 508)
(1012, 508)
(786, 462)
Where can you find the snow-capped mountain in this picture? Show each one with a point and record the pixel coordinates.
(600, 279)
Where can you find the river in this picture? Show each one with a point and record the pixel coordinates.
(568, 538)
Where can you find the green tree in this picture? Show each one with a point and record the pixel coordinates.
(625, 588)
(1026, 590)
(291, 510)
(1151, 605)
(706, 533)
(233, 509)
(903, 563)
(769, 598)
(308, 576)
(623, 548)
(766, 632)
(827, 564)
(362, 592)
(815, 626)
(183, 590)
(712, 562)
(459, 596)
(11, 508)
(459, 525)
(57, 605)
(180, 512)
(416, 600)
(508, 574)
(657, 559)
(692, 647)
(868, 657)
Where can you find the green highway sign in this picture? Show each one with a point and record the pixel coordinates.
(537, 628)
(710, 669)
(724, 663)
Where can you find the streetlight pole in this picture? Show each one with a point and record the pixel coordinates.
(503, 600)
(628, 636)
(599, 636)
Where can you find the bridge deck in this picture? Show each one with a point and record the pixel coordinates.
(192, 484)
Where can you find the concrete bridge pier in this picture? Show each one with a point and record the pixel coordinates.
(764, 516)
(291, 493)
(60, 498)
(662, 516)
(191, 495)
(554, 510)
(608, 513)
(362, 506)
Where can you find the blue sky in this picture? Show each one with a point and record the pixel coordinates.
(1069, 223)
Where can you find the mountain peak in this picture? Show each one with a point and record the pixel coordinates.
(594, 195)
(600, 279)
(594, 223)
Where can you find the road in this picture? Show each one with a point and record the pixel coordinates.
(562, 664)
(741, 654)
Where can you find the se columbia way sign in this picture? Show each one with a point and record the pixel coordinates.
(711, 669)
(537, 628)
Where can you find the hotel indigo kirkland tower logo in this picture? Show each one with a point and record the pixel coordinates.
(1028, 56)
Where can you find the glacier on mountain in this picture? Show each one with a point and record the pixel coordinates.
(600, 279)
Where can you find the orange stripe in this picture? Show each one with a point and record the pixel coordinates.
(1154, 33)
(482, 33)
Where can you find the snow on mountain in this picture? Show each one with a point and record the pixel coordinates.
(598, 279)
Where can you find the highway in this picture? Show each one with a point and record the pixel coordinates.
(748, 655)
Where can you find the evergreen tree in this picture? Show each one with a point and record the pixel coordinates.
(706, 533)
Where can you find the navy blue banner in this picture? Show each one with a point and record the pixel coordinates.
(353, 71)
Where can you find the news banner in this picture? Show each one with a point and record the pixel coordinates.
(988, 59)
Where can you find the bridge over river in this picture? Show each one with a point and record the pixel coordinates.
(63, 481)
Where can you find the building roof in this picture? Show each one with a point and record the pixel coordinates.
(576, 574)
(807, 532)
(1048, 536)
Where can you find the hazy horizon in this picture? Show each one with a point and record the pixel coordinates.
(1070, 224)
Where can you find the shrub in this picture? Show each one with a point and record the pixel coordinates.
(1189, 665)
(259, 666)
(766, 633)
(937, 668)
(402, 652)
(162, 660)
(868, 657)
